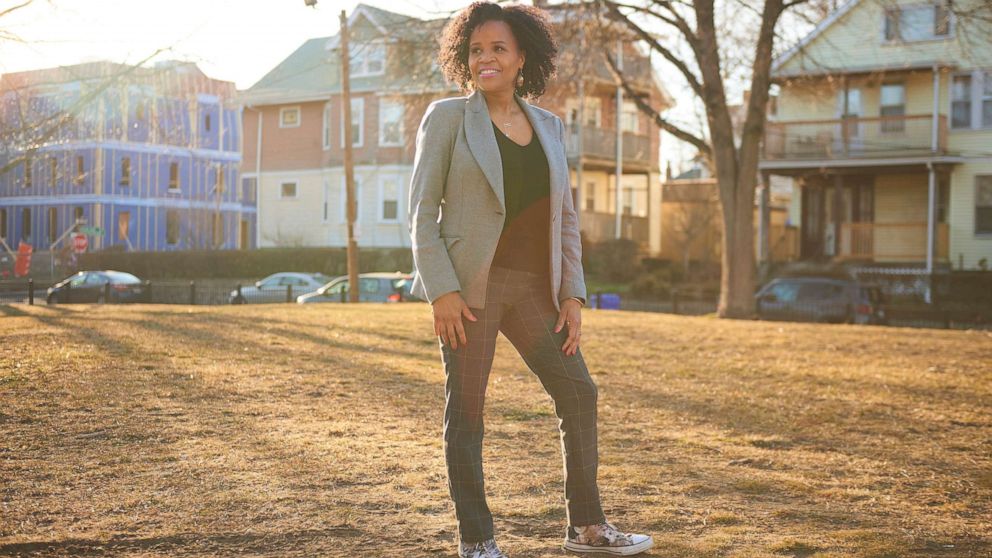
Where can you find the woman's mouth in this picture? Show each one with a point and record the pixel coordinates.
(488, 72)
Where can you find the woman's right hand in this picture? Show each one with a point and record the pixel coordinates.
(449, 309)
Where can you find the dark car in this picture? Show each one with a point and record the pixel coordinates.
(821, 299)
(91, 286)
(375, 287)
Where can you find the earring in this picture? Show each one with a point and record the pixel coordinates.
(520, 78)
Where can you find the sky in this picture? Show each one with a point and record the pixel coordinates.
(234, 40)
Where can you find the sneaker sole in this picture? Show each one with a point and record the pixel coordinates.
(615, 550)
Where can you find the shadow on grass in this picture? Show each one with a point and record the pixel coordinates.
(183, 543)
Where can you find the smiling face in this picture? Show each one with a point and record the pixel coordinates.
(494, 58)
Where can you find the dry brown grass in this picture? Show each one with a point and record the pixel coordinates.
(316, 431)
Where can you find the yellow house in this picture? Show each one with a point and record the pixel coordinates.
(884, 123)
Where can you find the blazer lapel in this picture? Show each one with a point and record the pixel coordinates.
(548, 134)
(482, 143)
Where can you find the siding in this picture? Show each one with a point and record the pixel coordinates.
(857, 40)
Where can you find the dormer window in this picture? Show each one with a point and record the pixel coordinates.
(368, 60)
(919, 22)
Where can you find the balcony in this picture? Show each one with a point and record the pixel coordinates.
(601, 143)
(890, 241)
(854, 138)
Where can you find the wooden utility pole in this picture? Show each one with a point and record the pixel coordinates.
(349, 165)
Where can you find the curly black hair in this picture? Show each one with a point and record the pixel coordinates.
(531, 28)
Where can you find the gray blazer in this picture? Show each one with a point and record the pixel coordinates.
(457, 207)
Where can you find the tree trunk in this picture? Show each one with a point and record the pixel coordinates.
(737, 269)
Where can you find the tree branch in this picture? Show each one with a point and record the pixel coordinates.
(644, 107)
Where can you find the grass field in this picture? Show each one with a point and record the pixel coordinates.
(305, 431)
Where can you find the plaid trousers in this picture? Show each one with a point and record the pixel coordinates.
(519, 304)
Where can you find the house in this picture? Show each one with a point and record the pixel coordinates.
(146, 157)
(294, 137)
(884, 122)
(692, 221)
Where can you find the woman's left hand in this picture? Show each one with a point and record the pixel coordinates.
(570, 315)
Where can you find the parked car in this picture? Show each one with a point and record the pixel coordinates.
(91, 286)
(374, 287)
(821, 299)
(275, 287)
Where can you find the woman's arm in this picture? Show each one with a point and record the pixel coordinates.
(573, 282)
(435, 140)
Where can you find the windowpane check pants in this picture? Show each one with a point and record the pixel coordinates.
(518, 303)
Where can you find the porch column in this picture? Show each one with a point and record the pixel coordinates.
(764, 219)
(654, 213)
(931, 227)
(838, 208)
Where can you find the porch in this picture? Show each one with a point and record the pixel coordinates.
(874, 216)
(598, 226)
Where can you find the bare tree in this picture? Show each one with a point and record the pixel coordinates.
(715, 45)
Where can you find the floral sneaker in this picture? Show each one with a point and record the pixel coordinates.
(484, 549)
(607, 539)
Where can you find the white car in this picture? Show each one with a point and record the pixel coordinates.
(375, 287)
(279, 287)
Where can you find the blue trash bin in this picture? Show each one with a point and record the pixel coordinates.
(605, 301)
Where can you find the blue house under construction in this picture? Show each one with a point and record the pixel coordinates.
(146, 158)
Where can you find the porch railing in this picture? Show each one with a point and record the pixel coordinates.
(602, 143)
(891, 241)
(599, 226)
(883, 136)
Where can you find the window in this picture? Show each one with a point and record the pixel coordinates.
(53, 171)
(594, 111)
(357, 117)
(327, 201)
(367, 59)
(80, 169)
(628, 118)
(3, 223)
(785, 291)
(344, 200)
(171, 227)
(53, 224)
(173, 176)
(893, 104)
(126, 171)
(248, 187)
(27, 173)
(917, 23)
(971, 100)
(206, 122)
(326, 131)
(983, 204)
(389, 194)
(77, 214)
(819, 291)
(139, 110)
(961, 102)
(123, 225)
(26, 223)
(289, 117)
(987, 100)
(590, 196)
(390, 123)
(287, 190)
(628, 200)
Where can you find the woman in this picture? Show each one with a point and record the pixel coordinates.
(496, 249)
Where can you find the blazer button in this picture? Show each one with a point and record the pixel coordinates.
(498, 212)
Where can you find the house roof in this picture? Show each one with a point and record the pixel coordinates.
(312, 73)
(827, 22)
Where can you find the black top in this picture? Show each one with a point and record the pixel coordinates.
(525, 242)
